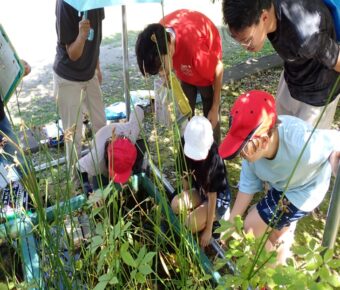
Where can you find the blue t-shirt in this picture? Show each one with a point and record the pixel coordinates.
(310, 182)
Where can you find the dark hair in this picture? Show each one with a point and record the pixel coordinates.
(106, 155)
(209, 170)
(151, 43)
(239, 14)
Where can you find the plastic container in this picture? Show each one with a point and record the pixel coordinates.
(116, 111)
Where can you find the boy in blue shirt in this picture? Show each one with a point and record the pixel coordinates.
(270, 146)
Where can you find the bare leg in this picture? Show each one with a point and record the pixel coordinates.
(197, 219)
(254, 223)
(186, 200)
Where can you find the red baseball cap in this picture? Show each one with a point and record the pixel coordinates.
(122, 155)
(253, 114)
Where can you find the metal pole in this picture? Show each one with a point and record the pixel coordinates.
(333, 215)
(125, 62)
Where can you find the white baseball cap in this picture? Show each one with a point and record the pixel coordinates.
(198, 138)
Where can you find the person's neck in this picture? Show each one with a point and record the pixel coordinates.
(172, 44)
(272, 21)
(273, 145)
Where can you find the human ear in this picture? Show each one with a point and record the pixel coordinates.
(264, 142)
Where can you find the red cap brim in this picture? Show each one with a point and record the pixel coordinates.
(230, 146)
(121, 177)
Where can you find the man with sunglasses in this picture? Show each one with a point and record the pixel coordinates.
(271, 146)
(303, 34)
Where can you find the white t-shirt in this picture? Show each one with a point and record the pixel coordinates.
(310, 182)
(94, 162)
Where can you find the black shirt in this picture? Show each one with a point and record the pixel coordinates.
(305, 39)
(209, 175)
(67, 25)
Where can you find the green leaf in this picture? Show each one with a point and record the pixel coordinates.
(328, 255)
(245, 285)
(145, 269)
(280, 279)
(101, 285)
(133, 274)
(78, 266)
(148, 257)
(99, 229)
(238, 223)
(114, 281)
(225, 225)
(234, 244)
(334, 280)
(140, 278)
(141, 254)
(3, 286)
(105, 277)
(300, 250)
(312, 244)
(334, 264)
(314, 263)
(126, 256)
(96, 242)
(237, 253)
(95, 211)
(324, 273)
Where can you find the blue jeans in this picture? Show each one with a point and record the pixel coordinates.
(9, 148)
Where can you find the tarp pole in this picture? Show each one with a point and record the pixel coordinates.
(333, 215)
(125, 62)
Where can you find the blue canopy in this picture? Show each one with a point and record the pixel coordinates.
(85, 5)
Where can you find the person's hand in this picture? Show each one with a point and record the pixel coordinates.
(99, 76)
(84, 28)
(27, 67)
(334, 159)
(213, 116)
(87, 188)
(205, 237)
(96, 199)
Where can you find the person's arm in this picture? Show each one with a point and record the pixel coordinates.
(334, 160)
(213, 114)
(337, 65)
(76, 48)
(99, 73)
(27, 67)
(241, 204)
(207, 232)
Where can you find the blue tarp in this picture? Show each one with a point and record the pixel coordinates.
(93, 4)
(334, 7)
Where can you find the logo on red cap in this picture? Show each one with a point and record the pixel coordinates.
(253, 114)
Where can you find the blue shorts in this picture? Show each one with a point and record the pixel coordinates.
(285, 214)
(222, 202)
